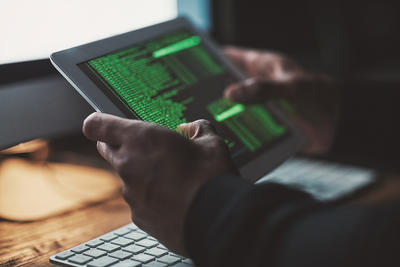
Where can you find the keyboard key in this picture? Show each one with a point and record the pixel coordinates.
(155, 264)
(102, 262)
(121, 255)
(168, 259)
(140, 231)
(79, 259)
(134, 249)
(176, 255)
(181, 264)
(162, 246)
(108, 237)
(157, 252)
(108, 247)
(132, 227)
(120, 241)
(94, 243)
(122, 231)
(80, 249)
(135, 236)
(64, 255)
(152, 238)
(147, 243)
(94, 253)
(188, 261)
(143, 258)
(128, 263)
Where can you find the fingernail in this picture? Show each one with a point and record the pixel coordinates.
(101, 146)
(181, 129)
(234, 92)
(228, 92)
(237, 93)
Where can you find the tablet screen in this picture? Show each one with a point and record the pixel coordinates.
(174, 79)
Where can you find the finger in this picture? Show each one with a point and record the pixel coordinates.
(237, 55)
(104, 128)
(196, 129)
(254, 90)
(234, 53)
(107, 152)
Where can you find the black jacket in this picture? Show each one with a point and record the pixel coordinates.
(235, 223)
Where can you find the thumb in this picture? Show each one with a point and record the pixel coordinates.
(257, 90)
(237, 55)
(196, 129)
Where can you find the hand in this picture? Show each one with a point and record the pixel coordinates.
(161, 170)
(310, 100)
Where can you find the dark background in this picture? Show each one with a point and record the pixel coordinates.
(356, 42)
(345, 38)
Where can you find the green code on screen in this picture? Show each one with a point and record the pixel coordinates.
(253, 124)
(149, 77)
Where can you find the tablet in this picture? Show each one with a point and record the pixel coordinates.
(169, 74)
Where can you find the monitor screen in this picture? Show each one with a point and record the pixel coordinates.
(174, 79)
(31, 30)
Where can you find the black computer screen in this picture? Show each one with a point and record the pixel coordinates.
(174, 79)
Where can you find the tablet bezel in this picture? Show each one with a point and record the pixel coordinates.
(67, 61)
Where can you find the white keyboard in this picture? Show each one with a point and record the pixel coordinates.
(325, 181)
(127, 246)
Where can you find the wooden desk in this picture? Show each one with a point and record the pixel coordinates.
(31, 244)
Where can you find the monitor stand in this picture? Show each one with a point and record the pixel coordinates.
(34, 189)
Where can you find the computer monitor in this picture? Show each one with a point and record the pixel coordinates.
(34, 100)
(33, 29)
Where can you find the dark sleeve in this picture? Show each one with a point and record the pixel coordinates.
(234, 223)
(369, 128)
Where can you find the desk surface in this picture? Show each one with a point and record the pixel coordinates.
(31, 244)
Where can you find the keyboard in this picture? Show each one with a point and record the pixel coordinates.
(128, 246)
(323, 180)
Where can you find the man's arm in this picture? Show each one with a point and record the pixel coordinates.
(234, 223)
(177, 192)
(369, 128)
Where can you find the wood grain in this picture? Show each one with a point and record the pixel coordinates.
(31, 244)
